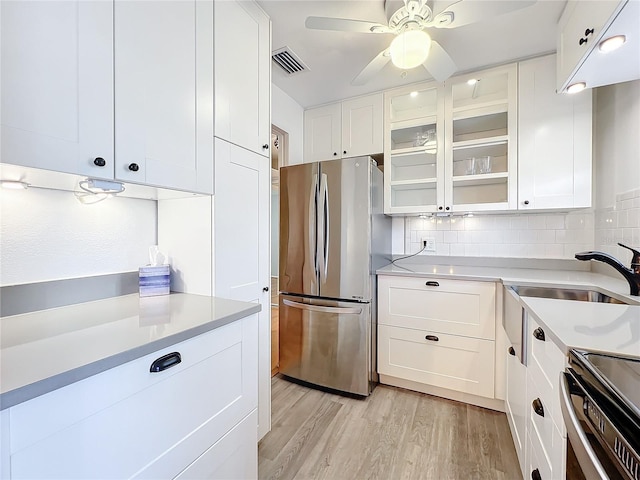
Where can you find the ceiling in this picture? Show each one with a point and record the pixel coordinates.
(335, 58)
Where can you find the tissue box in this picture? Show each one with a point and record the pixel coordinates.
(154, 280)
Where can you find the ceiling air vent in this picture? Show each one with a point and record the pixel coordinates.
(288, 61)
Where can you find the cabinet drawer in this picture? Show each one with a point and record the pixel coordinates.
(546, 362)
(233, 457)
(129, 422)
(457, 307)
(550, 463)
(456, 363)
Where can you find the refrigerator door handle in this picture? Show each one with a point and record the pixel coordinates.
(320, 308)
(324, 230)
(313, 227)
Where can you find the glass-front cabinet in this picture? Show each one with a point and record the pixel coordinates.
(451, 147)
(413, 148)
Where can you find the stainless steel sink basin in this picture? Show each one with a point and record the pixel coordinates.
(567, 294)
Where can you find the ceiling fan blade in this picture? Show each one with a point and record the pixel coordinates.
(372, 68)
(465, 12)
(346, 25)
(439, 64)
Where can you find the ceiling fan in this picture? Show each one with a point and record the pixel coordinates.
(412, 45)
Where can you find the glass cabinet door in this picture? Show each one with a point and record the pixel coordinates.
(481, 148)
(413, 149)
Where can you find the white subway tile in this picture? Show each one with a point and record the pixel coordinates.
(537, 222)
(443, 249)
(545, 236)
(554, 250)
(450, 237)
(518, 223)
(555, 221)
(456, 249)
(502, 222)
(444, 224)
(458, 224)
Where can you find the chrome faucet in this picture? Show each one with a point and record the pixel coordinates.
(631, 274)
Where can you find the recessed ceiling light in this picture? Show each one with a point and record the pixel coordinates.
(472, 81)
(414, 94)
(612, 43)
(576, 87)
(14, 184)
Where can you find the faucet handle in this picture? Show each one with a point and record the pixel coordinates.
(635, 261)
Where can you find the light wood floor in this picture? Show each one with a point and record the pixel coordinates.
(394, 434)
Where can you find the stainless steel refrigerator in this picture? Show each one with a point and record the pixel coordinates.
(333, 237)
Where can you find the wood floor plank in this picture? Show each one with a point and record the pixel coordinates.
(394, 434)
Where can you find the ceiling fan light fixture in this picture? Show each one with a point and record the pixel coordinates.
(410, 49)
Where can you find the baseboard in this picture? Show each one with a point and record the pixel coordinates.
(490, 403)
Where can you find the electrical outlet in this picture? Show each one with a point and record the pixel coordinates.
(429, 244)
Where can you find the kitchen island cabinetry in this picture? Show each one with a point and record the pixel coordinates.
(438, 336)
(188, 405)
(350, 128)
(243, 75)
(554, 141)
(128, 96)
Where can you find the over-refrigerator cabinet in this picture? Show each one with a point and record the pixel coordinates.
(333, 236)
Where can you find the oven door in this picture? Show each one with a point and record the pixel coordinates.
(593, 462)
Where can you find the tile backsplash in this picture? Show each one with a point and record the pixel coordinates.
(548, 235)
(620, 223)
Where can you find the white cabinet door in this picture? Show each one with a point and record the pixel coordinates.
(516, 405)
(243, 75)
(323, 133)
(241, 247)
(554, 158)
(362, 126)
(57, 85)
(164, 93)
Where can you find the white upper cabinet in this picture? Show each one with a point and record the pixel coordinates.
(554, 158)
(164, 93)
(350, 128)
(583, 26)
(243, 75)
(57, 86)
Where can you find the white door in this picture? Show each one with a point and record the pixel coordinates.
(57, 86)
(241, 246)
(164, 93)
(322, 133)
(362, 126)
(243, 75)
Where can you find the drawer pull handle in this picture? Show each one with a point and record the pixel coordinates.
(512, 352)
(535, 475)
(432, 284)
(539, 334)
(433, 338)
(166, 361)
(537, 407)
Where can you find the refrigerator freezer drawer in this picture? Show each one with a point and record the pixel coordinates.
(326, 343)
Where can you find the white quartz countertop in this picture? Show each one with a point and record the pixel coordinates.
(603, 327)
(48, 349)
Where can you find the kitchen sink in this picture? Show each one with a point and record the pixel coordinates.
(568, 294)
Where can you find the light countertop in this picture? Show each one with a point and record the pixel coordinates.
(609, 328)
(48, 349)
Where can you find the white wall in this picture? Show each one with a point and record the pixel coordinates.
(288, 115)
(49, 235)
(617, 168)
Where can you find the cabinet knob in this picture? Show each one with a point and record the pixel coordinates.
(99, 162)
(512, 352)
(265, 146)
(448, 208)
(265, 289)
(432, 338)
(537, 407)
(439, 208)
(539, 334)
(134, 167)
(582, 41)
(526, 202)
(344, 152)
(335, 154)
(588, 31)
(535, 475)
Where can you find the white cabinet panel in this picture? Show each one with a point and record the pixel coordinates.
(57, 85)
(164, 93)
(452, 306)
(448, 361)
(516, 405)
(554, 158)
(362, 126)
(243, 75)
(322, 133)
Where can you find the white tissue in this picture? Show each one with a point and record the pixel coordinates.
(155, 256)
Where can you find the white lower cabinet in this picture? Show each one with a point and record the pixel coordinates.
(516, 405)
(438, 336)
(128, 422)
